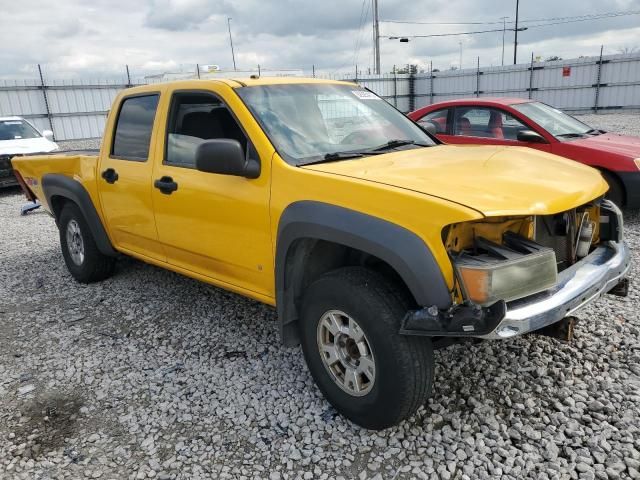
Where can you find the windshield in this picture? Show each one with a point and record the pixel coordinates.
(16, 130)
(554, 121)
(307, 122)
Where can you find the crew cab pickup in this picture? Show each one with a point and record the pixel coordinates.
(374, 242)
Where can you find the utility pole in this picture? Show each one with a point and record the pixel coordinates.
(460, 42)
(233, 55)
(504, 30)
(515, 42)
(376, 38)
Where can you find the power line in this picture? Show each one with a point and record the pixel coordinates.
(363, 16)
(393, 37)
(578, 20)
(439, 23)
(510, 29)
(594, 16)
(356, 48)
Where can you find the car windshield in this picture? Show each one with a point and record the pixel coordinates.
(557, 123)
(16, 130)
(308, 123)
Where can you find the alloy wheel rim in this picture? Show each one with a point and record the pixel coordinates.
(346, 353)
(75, 244)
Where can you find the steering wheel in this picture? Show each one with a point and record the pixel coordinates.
(291, 134)
(359, 136)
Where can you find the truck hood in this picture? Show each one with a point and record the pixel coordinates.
(611, 142)
(23, 146)
(494, 180)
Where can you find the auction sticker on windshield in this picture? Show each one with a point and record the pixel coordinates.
(365, 95)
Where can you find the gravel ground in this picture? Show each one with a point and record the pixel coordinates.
(627, 123)
(153, 375)
(87, 144)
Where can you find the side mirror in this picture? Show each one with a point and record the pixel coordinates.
(48, 134)
(225, 157)
(529, 136)
(429, 127)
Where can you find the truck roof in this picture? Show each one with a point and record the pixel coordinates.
(255, 81)
(5, 119)
(239, 82)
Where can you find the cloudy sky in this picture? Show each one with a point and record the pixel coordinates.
(76, 38)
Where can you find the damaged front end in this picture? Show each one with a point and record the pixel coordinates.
(517, 275)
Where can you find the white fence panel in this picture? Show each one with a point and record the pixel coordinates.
(77, 109)
(504, 81)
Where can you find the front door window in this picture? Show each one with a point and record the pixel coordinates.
(486, 123)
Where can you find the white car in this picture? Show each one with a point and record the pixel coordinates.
(19, 137)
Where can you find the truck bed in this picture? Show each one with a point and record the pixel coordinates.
(79, 164)
(7, 177)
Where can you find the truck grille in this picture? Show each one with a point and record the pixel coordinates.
(552, 232)
(560, 232)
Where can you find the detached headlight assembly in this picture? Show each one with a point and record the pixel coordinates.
(506, 272)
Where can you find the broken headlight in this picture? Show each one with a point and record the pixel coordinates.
(516, 269)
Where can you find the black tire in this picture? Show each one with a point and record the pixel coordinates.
(94, 266)
(616, 190)
(403, 364)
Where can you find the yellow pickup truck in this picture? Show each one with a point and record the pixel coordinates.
(375, 242)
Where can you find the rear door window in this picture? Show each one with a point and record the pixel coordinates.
(134, 127)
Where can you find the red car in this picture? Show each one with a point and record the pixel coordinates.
(516, 121)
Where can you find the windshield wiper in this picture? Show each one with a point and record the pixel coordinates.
(571, 135)
(337, 156)
(595, 131)
(333, 157)
(398, 143)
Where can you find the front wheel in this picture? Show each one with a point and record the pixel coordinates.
(366, 370)
(85, 262)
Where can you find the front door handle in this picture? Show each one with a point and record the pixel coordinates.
(166, 185)
(110, 175)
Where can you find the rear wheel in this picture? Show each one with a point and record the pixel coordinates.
(81, 255)
(616, 190)
(366, 370)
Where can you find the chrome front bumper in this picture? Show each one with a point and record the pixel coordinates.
(577, 286)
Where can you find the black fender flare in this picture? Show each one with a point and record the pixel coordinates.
(56, 185)
(402, 249)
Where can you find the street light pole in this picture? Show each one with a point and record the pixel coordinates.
(515, 42)
(376, 38)
(504, 30)
(233, 55)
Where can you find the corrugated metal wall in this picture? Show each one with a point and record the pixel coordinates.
(77, 109)
(72, 109)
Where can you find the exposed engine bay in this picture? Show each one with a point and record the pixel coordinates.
(511, 258)
(525, 274)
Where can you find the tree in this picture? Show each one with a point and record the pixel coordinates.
(553, 58)
(627, 50)
(407, 69)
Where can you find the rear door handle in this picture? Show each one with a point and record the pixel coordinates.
(166, 185)
(110, 175)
